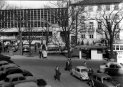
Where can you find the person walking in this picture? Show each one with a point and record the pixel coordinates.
(57, 74)
(67, 65)
(40, 51)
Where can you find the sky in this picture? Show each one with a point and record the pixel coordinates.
(31, 3)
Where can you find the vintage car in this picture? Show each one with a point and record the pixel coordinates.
(14, 70)
(18, 80)
(112, 68)
(102, 80)
(3, 62)
(80, 72)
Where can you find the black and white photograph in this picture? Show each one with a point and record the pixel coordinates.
(61, 43)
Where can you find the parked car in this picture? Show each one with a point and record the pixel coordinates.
(2, 62)
(25, 48)
(18, 80)
(80, 72)
(112, 68)
(102, 80)
(14, 70)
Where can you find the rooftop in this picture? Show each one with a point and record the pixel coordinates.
(96, 2)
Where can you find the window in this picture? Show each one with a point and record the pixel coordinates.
(83, 36)
(99, 25)
(91, 36)
(108, 7)
(116, 6)
(116, 17)
(15, 79)
(117, 36)
(112, 66)
(83, 26)
(91, 24)
(121, 47)
(113, 47)
(117, 47)
(78, 70)
(90, 8)
(99, 8)
(21, 78)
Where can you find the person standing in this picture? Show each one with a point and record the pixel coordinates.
(40, 51)
(85, 63)
(70, 64)
(44, 51)
(57, 74)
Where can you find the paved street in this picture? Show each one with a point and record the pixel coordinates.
(45, 69)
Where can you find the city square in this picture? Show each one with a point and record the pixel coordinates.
(64, 43)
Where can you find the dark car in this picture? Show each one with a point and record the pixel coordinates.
(102, 80)
(3, 63)
(14, 70)
(112, 68)
(25, 48)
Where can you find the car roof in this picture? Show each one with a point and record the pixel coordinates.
(81, 67)
(2, 62)
(15, 75)
(9, 65)
(102, 75)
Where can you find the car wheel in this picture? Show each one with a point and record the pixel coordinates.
(81, 78)
(72, 73)
(90, 83)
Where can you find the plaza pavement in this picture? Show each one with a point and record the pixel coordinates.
(50, 57)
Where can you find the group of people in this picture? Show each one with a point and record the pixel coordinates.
(68, 67)
(43, 51)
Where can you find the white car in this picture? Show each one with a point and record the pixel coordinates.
(80, 72)
(112, 68)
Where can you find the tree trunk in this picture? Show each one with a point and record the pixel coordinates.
(111, 48)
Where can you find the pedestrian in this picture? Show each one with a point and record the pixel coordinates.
(57, 73)
(85, 63)
(44, 51)
(67, 65)
(70, 64)
(40, 51)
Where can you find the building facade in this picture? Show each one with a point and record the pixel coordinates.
(36, 21)
(90, 28)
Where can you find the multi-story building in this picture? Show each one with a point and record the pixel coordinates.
(94, 10)
(97, 16)
(38, 21)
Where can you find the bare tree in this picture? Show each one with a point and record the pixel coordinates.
(69, 20)
(110, 26)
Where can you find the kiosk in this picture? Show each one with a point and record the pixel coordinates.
(119, 49)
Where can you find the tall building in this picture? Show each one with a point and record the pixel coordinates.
(37, 20)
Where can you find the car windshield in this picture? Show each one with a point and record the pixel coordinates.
(107, 79)
(84, 70)
(121, 64)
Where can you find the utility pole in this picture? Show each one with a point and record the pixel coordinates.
(20, 37)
